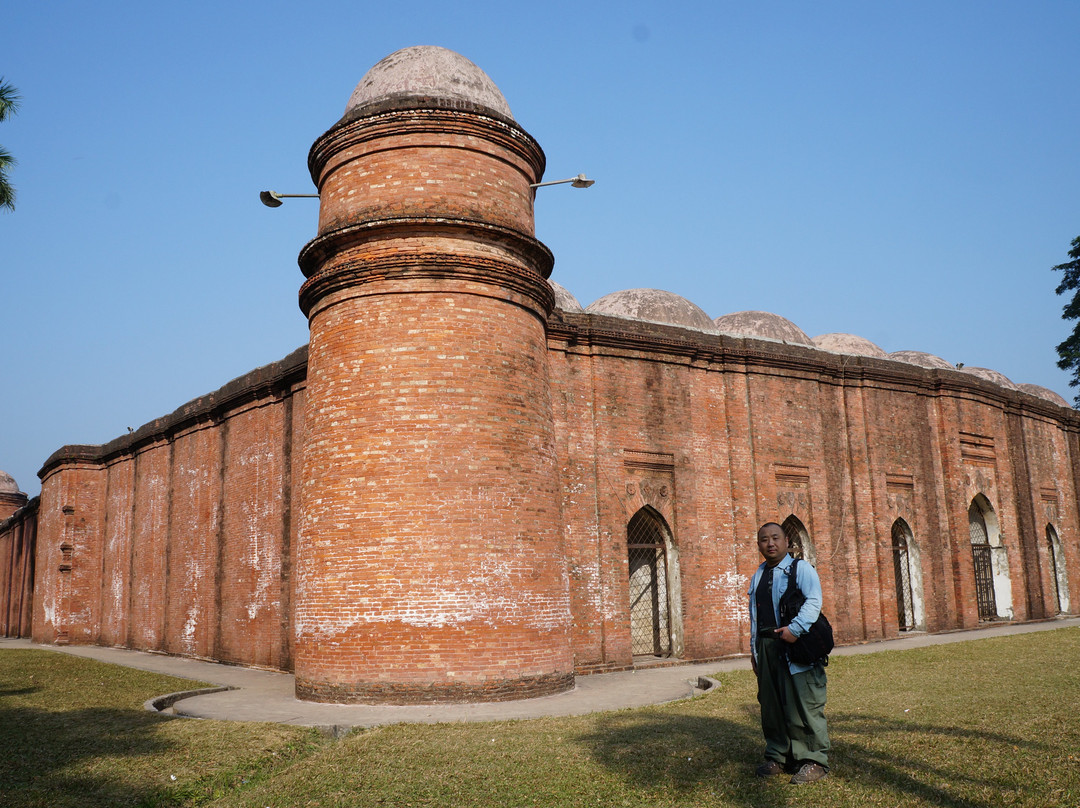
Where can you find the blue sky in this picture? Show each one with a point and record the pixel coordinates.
(905, 171)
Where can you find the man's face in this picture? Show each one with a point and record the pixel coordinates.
(772, 544)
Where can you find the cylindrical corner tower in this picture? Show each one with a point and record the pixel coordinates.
(429, 564)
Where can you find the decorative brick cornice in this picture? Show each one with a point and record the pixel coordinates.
(685, 345)
(321, 249)
(524, 271)
(425, 117)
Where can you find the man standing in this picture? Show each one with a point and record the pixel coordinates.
(792, 697)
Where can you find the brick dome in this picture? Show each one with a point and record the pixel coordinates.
(849, 344)
(763, 325)
(1044, 393)
(654, 306)
(430, 73)
(991, 376)
(922, 359)
(563, 299)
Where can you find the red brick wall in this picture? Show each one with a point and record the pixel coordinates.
(18, 539)
(195, 530)
(179, 530)
(68, 563)
(848, 445)
(184, 541)
(430, 562)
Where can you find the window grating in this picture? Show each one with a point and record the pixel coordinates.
(981, 558)
(905, 603)
(650, 631)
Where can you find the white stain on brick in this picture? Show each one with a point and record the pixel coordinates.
(730, 588)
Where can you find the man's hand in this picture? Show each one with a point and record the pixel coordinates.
(784, 633)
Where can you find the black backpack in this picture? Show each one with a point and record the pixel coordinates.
(815, 645)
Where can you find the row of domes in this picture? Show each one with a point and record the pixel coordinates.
(658, 306)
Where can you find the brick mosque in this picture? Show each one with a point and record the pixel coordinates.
(469, 487)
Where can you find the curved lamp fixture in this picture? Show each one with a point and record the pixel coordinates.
(272, 199)
(580, 181)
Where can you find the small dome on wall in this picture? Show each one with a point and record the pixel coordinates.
(849, 344)
(922, 359)
(762, 324)
(654, 306)
(563, 299)
(991, 376)
(1045, 393)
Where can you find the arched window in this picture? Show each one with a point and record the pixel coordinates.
(650, 612)
(1059, 579)
(799, 543)
(981, 558)
(907, 573)
(990, 560)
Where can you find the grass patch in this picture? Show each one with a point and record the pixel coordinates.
(73, 732)
(975, 724)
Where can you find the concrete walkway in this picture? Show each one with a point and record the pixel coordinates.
(257, 695)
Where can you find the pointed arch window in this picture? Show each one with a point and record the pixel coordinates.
(982, 559)
(650, 612)
(799, 543)
(905, 593)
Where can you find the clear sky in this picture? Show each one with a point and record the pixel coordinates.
(904, 171)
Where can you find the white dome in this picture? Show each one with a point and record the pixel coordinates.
(849, 344)
(430, 73)
(1045, 393)
(991, 376)
(8, 484)
(922, 359)
(762, 324)
(563, 299)
(654, 306)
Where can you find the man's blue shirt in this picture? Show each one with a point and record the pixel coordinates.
(806, 578)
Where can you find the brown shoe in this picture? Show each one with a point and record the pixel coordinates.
(769, 768)
(809, 773)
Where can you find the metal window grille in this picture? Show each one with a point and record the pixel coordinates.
(795, 533)
(905, 604)
(650, 631)
(981, 559)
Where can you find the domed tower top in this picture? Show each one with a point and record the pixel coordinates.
(11, 498)
(8, 484)
(426, 136)
(426, 75)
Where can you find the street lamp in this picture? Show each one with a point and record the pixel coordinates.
(580, 181)
(272, 199)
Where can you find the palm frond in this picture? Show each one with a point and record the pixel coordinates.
(9, 100)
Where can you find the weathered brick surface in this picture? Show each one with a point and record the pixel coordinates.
(18, 539)
(186, 531)
(846, 450)
(430, 560)
(739, 432)
(432, 502)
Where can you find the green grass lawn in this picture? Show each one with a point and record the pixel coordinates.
(984, 723)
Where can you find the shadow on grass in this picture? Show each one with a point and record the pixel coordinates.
(61, 759)
(684, 755)
(975, 768)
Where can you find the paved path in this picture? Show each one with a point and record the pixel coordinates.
(268, 696)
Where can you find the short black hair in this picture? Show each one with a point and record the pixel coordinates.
(775, 524)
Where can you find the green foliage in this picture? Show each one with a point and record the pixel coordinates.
(1069, 350)
(9, 105)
